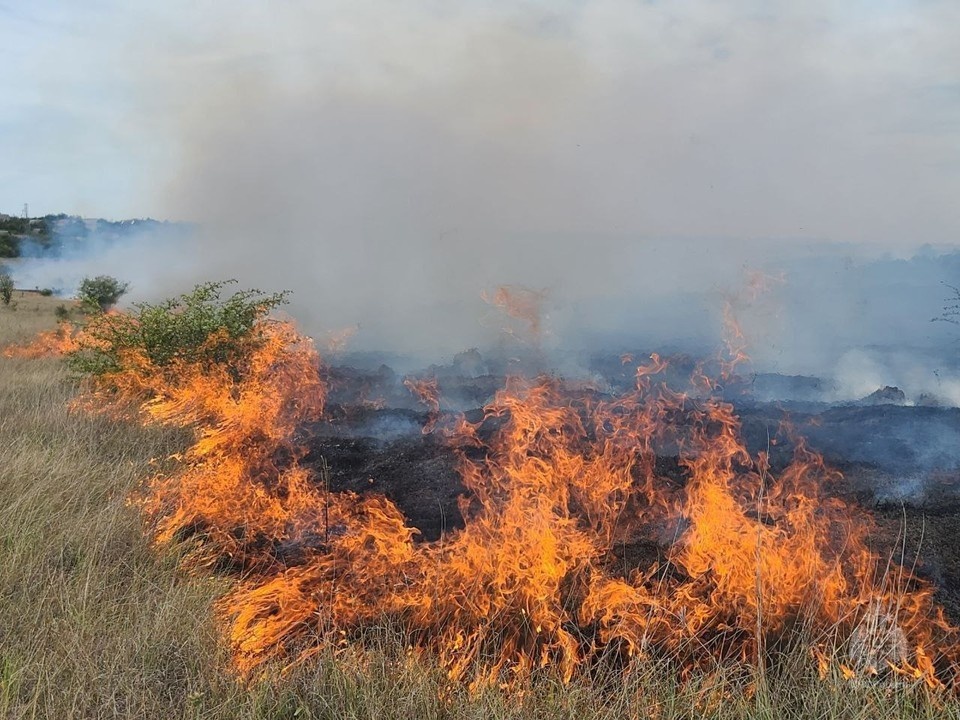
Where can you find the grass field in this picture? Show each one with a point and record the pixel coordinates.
(94, 623)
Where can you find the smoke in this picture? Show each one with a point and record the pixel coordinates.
(131, 251)
(391, 162)
(396, 208)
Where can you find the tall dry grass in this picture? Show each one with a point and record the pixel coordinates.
(94, 623)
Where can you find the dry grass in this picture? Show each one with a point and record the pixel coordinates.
(95, 624)
(29, 312)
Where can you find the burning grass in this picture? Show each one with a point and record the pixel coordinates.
(526, 591)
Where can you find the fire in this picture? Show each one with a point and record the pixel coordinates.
(427, 391)
(241, 488)
(338, 340)
(51, 343)
(557, 478)
(531, 581)
(520, 303)
(756, 285)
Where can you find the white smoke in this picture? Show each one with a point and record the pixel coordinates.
(389, 162)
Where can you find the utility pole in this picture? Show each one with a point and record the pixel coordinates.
(26, 211)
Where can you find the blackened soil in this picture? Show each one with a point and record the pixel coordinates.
(917, 524)
(930, 545)
(418, 474)
(917, 513)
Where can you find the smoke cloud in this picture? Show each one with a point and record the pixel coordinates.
(390, 162)
(396, 163)
(131, 251)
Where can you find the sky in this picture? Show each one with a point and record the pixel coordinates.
(837, 120)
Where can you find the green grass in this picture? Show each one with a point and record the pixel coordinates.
(94, 623)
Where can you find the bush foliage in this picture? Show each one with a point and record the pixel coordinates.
(9, 246)
(196, 327)
(102, 291)
(6, 288)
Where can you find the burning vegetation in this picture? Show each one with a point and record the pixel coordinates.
(557, 478)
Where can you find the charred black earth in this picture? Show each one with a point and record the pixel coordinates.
(900, 463)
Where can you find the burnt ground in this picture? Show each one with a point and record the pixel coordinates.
(900, 465)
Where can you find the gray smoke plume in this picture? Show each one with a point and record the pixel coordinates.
(391, 162)
(130, 251)
(630, 161)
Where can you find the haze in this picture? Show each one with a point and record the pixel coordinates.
(389, 161)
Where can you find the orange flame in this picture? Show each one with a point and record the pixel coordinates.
(520, 303)
(51, 343)
(529, 581)
(533, 579)
(756, 285)
(427, 391)
(338, 340)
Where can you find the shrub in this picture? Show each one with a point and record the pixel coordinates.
(9, 246)
(6, 288)
(46, 292)
(197, 327)
(102, 292)
(62, 313)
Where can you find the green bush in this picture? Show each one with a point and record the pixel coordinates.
(46, 292)
(6, 288)
(102, 291)
(197, 327)
(9, 246)
(62, 313)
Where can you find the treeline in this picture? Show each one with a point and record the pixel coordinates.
(52, 232)
(14, 231)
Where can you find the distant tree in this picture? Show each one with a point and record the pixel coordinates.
(6, 288)
(102, 291)
(9, 245)
(17, 225)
